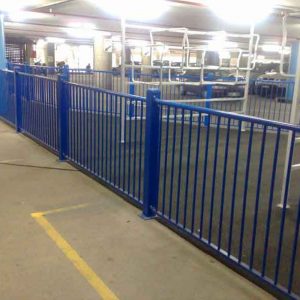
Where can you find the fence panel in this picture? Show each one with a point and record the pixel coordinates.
(106, 136)
(39, 107)
(221, 185)
(7, 102)
(271, 99)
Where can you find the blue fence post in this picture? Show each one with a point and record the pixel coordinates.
(2, 93)
(63, 118)
(151, 158)
(208, 96)
(66, 73)
(131, 92)
(26, 68)
(18, 102)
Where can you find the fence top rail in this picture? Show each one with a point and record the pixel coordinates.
(7, 71)
(36, 76)
(133, 97)
(230, 115)
(90, 71)
(31, 66)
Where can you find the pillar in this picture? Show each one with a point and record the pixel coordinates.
(199, 58)
(146, 61)
(292, 69)
(2, 44)
(102, 61)
(29, 53)
(50, 58)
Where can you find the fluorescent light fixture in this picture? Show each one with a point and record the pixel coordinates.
(242, 12)
(138, 10)
(15, 5)
(55, 40)
(18, 16)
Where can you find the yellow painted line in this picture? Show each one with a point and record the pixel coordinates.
(59, 210)
(10, 161)
(84, 269)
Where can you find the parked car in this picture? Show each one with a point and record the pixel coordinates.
(272, 85)
(218, 90)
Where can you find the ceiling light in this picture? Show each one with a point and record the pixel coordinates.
(241, 12)
(133, 9)
(15, 5)
(18, 16)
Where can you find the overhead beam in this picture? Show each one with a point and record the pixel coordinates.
(50, 4)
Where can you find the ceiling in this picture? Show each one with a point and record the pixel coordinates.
(52, 18)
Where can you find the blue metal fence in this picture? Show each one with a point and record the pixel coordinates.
(220, 186)
(37, 108)
(7, 104)
(102, 142)
(269, 99)
(192, 167)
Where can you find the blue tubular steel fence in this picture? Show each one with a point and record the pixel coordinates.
(269, 99)
(7, 104)
(37, 108)
(219, 186)
(95, 141)
(210, 181)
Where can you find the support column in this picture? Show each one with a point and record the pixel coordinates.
(292, 69)
(102, 61)
(146, 60)
(102, 58)
(2, 43)
(288, 168)
(28, 53)
(50, 58)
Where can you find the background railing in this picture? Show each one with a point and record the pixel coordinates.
(192, 167)
(269, 99)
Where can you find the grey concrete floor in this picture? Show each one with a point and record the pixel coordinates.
(136, 259)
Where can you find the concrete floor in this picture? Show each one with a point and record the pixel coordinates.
(136, 259)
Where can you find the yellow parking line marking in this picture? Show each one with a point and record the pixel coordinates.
(63, 209)
(9, 161)
(84, 269)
